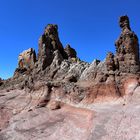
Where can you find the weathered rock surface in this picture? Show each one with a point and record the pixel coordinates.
(127, 48)
(27, 59)
(58, 96)
(48, 43)
(114, 119)
(70, 52)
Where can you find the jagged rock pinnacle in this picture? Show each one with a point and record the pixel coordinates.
(127, 48)
(124, 22)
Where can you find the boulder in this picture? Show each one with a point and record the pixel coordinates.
(53, 105)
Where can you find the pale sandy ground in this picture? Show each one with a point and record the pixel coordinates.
(114, 120)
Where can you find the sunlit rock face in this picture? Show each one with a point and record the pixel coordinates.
(27, 59)
(26, 63)
(58, 96)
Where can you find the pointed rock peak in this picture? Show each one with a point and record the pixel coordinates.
(124, 22)
(48, 43)
(127, 48)
(51, 29)
(71, 53)
(27, 59)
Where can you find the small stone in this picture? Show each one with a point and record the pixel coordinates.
(54, 105)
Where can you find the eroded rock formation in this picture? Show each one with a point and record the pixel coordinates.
(27, 59)
(110, 62)
(57, 80)
(127, 48)
(71, 53)
(61, 66)
(48, 43)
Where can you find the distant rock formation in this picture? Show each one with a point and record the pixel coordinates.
(55, 63)
(127, 48)
(60, 69)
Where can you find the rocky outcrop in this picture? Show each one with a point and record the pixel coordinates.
(27, 59)
(127, 48)
(55, 63)
(110, 62)
(57, 79)
(26, 62)
(48, 43)
(70, 52)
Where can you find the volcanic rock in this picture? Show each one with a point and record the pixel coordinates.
(27, 59)
(48, 43)
(110, 62)
(58, 96)
(127, 48)
(71, 53)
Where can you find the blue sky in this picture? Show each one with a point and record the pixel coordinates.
(90, 26)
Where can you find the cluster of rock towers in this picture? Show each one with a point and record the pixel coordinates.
(125, 60)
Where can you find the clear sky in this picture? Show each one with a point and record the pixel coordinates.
(90, 26)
